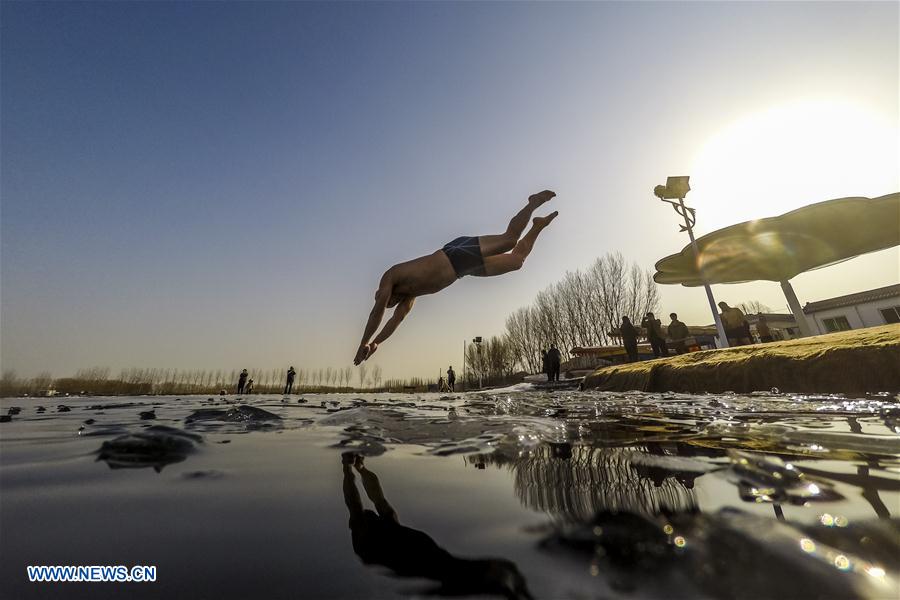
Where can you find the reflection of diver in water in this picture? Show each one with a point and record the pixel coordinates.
(379, 539)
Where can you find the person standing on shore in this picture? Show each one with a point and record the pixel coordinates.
(545, 364)
(762, 329)
(554, 358)
(678, 333)
(451, 379)
(629, 339)
(733, 321)
(242, 381)
(249, 389)
(290, 381)
(655, 335)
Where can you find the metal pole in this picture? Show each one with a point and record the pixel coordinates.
(723, 339)
(480, 368)
(464, 362)
(799, 316)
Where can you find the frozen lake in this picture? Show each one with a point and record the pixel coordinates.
(515, 493)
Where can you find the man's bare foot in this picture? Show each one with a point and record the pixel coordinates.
(536, 200)
(544, 221)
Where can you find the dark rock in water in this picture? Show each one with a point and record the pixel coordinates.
(147, 415)
(156, 447)
(248, 416)
(89, 421)
(301, 400)
(5, 418)
(63, 408)
(113, 405)
(208, 474)
(13, 410)
(41, 409)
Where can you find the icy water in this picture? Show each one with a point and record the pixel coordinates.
(512, 493)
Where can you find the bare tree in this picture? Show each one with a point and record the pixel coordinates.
(579, 310)
(376, 375)
(301, 377)
(754, 307)
(362, 375)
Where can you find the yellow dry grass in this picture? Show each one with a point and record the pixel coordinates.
(862, 360)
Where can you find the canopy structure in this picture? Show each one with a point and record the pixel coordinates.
(779, 248)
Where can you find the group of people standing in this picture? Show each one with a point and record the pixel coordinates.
(551, 361)
(676, 331)
(245, 384)
(737, 330)
(448, 385)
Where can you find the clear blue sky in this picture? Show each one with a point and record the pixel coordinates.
(218, 185)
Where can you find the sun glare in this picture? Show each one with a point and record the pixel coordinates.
(792, 155)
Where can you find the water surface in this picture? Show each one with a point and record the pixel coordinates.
(517, 493)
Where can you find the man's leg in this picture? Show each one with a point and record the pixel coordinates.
(504, 263)
(498, 244)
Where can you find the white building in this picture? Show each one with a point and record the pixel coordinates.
(855, 311)
(782, 326)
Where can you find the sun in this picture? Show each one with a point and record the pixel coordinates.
(788, 156)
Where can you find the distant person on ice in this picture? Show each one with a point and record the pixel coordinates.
(242, 381)
(290, 381)
(629, 339)
(451, 379)
(484, 256)
(554, 359)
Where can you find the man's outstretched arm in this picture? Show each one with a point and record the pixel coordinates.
(382, 296)
(400, 313)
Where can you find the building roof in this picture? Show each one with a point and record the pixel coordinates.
(851, 299)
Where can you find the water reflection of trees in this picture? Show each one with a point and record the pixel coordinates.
(576, 482)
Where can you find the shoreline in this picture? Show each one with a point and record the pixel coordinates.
(842, 362)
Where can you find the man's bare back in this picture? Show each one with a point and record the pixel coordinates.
(484, 256)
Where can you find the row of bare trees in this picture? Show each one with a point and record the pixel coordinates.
(579, 310)
(98, 381)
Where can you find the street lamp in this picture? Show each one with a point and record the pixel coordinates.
(676, 188)
(477, 341)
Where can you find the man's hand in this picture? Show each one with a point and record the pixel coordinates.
(361, 354)
(364, 352)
